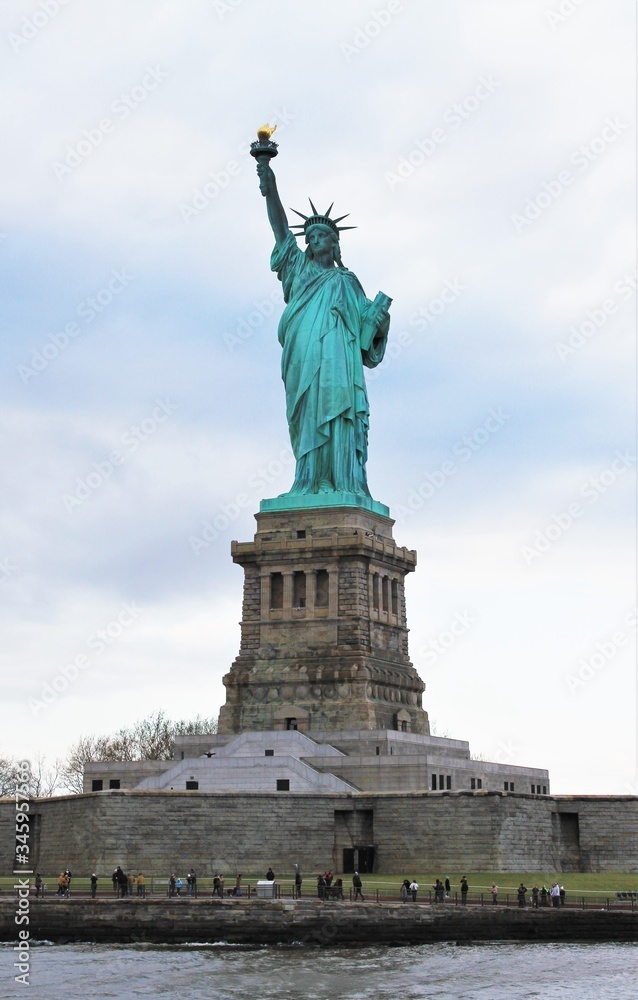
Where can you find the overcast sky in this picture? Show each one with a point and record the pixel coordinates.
(485, 151)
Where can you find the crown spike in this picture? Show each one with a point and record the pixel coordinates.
(317, 219)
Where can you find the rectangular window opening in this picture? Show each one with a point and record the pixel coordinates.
(97, 785)
(299, 589)
(283, 785)
(395, 597)
(269, 753)
(192, 786)
(375, 592)
(276, 591)
(448, 782)
(434, 782)
(114, 783)
(385, 594)
(322, 588)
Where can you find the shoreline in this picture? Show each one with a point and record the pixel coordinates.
(310, 922)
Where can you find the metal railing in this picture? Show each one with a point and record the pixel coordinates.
(156, 887)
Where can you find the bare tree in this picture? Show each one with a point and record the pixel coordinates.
(45, 779)
(8, 776)
(152, 738)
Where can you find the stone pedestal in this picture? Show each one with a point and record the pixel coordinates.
(324, 639)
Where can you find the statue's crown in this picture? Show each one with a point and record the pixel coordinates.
(319, 220)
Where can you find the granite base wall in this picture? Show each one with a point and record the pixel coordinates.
(159, 832)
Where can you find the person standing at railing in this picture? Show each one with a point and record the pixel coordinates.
(357, 886)
(93, 885)
(562, 895)
(141, 886)
(297, 882)
(535, 897)
(494, 891)
(520, 892)
(464, 890)
(555, 894)
(270, 875)
(38, 885)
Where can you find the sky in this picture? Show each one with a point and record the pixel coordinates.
(485, 150)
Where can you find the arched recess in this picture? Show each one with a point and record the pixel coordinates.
(402, 721)
(291, 717)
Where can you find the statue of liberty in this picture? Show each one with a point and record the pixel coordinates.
(328, 331)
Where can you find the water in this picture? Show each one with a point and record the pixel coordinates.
(441, 971)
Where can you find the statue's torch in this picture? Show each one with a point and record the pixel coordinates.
(264, 147)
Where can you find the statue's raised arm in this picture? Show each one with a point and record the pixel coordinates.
(276, 212)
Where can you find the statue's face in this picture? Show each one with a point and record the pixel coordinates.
(320, 239)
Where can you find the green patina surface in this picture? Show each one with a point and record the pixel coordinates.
(314, 501)
(329, 332)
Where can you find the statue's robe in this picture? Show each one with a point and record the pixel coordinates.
(322, 367)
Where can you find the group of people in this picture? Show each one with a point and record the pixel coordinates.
(410, 889)
(236, 889)
(64, 884)
(176, 884)
(442, 889)
(328, 887)
(543, 896)
(123, 884)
